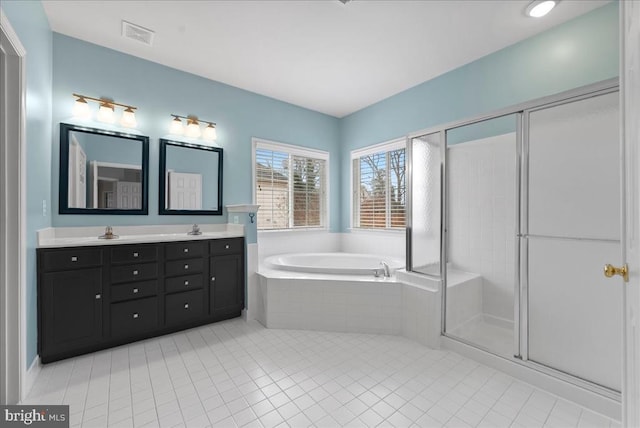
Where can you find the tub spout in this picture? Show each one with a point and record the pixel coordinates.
(385, 268)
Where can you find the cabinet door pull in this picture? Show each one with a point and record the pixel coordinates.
(135, 272)
(186, 250)
(186, 267)
(135, 315)
(98, 296)
(135, 291)
(186, 306)
(213, 278)
(74, 258)
(226, 246)
(135, 255)
(186, 283)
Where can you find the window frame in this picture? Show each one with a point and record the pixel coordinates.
(294, 150)
(384, 147)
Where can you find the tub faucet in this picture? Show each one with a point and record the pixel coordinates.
(385, 268)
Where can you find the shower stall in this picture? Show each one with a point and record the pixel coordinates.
(516, 212)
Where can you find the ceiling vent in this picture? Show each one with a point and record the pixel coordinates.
(137, 33)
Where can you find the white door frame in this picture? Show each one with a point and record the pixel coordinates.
(630, 103)
(12, 215)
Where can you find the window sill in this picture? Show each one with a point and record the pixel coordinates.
(297, 230)
(395, 231)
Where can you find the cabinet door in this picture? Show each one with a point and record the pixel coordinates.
(227, 285)
(72, 310)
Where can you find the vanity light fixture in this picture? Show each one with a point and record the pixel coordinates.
(106, 111)
(129, 118)
(193, 130)
(176, 126)
(540, 8)
(81, 108)
(210, 133)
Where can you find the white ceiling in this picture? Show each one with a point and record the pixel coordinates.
(323, 55)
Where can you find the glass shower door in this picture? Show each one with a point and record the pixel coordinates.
(482, 206)
(574, 321)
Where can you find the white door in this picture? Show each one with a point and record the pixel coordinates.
(12, 213)
(95, 194)
(573, 228)
(77, 195)
(630, 84)
(185, 191)
(128, 195)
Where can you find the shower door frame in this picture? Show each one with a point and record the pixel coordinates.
(521, 111)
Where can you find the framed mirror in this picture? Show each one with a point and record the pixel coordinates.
(103, 172)
(190, 179)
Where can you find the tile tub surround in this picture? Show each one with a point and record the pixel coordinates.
(343, 303)
(406, 304)
(239, 374)
(88, 236)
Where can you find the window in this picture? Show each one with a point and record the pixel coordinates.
(379, 197)
(290, 185)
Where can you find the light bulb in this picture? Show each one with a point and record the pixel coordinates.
(175, 127)
(81, 109)
(210, 132)
(105, 113)
(128, 118)
(193, 128)
(538, 9)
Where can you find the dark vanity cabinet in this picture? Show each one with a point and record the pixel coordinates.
(134, 277)
(74, 295)
(92, 298)
(226, 268)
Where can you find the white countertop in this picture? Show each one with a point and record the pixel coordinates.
(58, 237)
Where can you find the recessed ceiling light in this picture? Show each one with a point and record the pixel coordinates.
(540, 8)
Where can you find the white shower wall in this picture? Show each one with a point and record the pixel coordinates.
(482, 217)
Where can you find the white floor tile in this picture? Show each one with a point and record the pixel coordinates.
(235, 373)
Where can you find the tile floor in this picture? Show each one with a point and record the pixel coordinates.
(235, 373)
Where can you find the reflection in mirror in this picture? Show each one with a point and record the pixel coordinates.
(190, 179)
(102, 172)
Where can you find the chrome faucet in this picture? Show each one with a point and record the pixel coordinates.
(195, 230)
(385, 269)
(108, 234)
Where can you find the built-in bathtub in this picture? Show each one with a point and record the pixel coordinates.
(339, 292)
(330, 292)
(333, 263)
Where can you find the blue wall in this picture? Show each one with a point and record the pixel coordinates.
(32, 27)
(576, 53)
(158, 91)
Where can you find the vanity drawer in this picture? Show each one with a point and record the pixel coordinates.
(183, 267)
(134, 290)
(134, 254)
(184, 250)
(183, 307)
(183, 283)
(135, 317)
(71, 259)
(130, 273)
(226, 246)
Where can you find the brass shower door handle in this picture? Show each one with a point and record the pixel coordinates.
(610, 270)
